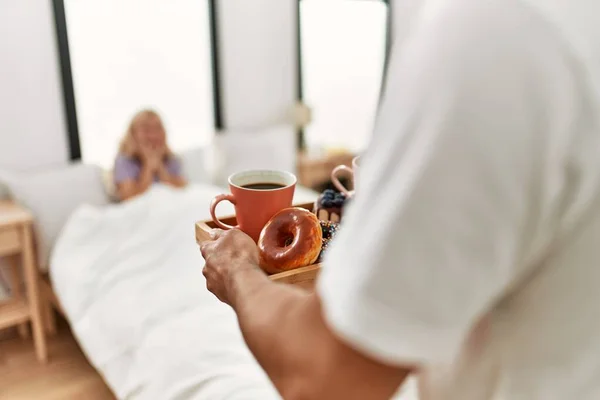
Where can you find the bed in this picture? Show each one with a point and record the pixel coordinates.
(129, 279)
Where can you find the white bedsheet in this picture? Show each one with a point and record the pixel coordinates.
(129, 278)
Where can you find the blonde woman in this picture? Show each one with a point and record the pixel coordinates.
(145, 158)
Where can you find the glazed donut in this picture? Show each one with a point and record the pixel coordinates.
(291, 239)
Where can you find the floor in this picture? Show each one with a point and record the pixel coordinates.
(67, 375)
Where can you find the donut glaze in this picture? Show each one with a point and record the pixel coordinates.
(291, 239)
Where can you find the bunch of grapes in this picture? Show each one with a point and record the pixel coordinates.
(331, 198)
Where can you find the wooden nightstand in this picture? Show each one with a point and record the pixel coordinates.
(16, 246)
(314, 172)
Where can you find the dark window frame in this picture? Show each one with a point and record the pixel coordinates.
(62, 39)
(301, 140)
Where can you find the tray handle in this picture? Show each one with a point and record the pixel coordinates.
(202, 232)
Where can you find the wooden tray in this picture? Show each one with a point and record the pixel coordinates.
(303, 277)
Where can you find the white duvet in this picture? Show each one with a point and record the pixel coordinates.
(129, 278)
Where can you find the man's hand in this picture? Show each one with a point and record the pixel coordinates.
(228, 253)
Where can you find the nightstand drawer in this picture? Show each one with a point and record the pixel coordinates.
(10, 240)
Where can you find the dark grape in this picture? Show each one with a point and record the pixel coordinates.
(327, 203)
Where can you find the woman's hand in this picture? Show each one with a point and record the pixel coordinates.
(154, 162)
(152, 157)
(150, 164)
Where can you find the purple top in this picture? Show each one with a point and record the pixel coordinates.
(127, 168)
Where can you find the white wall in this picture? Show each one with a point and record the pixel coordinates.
(32, 122)
(404, 13)
(258, 58)
(257, 46)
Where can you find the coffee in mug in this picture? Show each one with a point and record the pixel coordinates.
(353, 172)
(263, 186)
(256, 195)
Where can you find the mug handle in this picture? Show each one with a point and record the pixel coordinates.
(213, 209)
(336, 181)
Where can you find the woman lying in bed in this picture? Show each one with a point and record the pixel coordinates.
(144, 157)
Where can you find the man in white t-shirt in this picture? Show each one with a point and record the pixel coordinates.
(472, 250)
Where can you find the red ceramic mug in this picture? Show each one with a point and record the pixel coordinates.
(257, 196)
(353, 172)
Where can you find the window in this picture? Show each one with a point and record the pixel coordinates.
(135, 54)
(343, 52)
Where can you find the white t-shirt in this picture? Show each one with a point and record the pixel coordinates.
(479, 205)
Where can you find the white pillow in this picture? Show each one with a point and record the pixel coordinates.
(193, 165)
(267, 148)
(109, 184)
(3, 190)
(52, 195)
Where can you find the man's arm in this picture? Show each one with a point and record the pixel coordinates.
(285, 330)
(437, 232)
